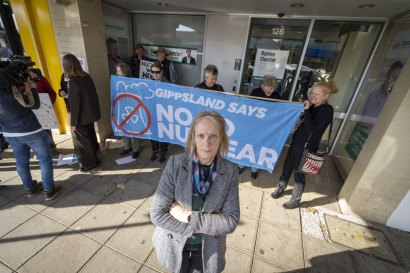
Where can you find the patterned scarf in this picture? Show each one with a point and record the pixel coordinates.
(203, 184)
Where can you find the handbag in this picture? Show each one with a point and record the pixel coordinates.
(311, 163)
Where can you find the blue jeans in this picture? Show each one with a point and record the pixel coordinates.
(40, 144)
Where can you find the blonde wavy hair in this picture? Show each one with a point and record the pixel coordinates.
(328, 87)
(219, 122)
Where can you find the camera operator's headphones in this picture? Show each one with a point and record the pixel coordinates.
(26, 99)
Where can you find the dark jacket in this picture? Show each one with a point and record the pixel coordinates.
(135, 65)
(169, 71)
(84, 104)
(258, 92)
(15, 118)
(185, 59)
(215, 87)
(219, 216)
(315, 122)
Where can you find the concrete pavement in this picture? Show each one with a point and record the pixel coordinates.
(100, 223)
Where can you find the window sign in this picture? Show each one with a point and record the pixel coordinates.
(270, 62)
(278, 30)
(174, 54)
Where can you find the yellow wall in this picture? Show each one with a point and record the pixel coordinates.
(37, 35)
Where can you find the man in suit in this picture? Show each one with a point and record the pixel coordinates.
(188, 59)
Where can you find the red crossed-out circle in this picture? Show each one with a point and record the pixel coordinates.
(139, 105)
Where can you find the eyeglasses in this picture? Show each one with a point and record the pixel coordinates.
(156, 72)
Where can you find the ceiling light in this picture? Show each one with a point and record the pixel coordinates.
(366, 6)
(297, 5)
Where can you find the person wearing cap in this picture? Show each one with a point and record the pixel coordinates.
(135, 61)
(169, 69)
(210, 76)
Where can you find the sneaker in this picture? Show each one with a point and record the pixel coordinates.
(241, 169)
(254, 175)
(162, 158)
(34, 191)
(154, 156)
(277, 193)
(292, 204)
(125, 151)
(52, 194)
(135, 155)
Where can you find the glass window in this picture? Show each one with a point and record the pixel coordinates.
(175, 31)
(274, 47)
(373, 94)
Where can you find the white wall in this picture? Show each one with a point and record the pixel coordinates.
(225, 41)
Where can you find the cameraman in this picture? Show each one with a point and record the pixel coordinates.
(23, 132)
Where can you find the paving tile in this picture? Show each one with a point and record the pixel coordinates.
(259, 266)
(273, 212)
(146, 269)
(366, 263)
(150, 174)
(237, 261)
(250, 201)
(104, 184)
(103, 220)
(5, 269)
(153, 263)
(14, 188)
(279, 245)
(134, 238)
(12, 215)
(4, 200)
(26, 240)
(400, 242)
(134, 193)
(70, 208)
(321, 256)
(244, 237)
(145, 207)
(66, 254)
(107, 260)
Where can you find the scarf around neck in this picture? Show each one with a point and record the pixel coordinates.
(203, 184)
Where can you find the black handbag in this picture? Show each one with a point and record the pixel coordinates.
(311, 163)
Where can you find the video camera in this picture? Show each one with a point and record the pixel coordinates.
(15, 72)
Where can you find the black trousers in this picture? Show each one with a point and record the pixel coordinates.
(85, 145)
(291, 164)
(161, 147)
(191, 259)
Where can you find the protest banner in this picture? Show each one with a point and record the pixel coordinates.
(147, 109)
(45, 114)
(175, 54)
(145, 69)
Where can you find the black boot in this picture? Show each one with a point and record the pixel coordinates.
(162, 157)
(154, 155)
(296, 196)
(279, 190)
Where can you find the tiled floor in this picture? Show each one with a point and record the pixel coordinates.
(100, 223)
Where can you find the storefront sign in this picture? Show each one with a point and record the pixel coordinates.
(270, 62)
(164, 112)
(177, 55)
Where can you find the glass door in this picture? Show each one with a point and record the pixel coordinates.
(274, 47)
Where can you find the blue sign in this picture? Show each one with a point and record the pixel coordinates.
(148, 109)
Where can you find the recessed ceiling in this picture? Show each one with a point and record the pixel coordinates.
(382, 9)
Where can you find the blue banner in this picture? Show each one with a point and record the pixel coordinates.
(148, 109)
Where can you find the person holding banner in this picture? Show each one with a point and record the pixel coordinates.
(85, 110)
(135, 61)
(196, 203)
(161, 148)
(317, 116)
(131, 144)
(210, 76)
(168, 67)
(267, 90)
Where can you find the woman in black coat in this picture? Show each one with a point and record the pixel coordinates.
(85, 110)
(317, 116)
